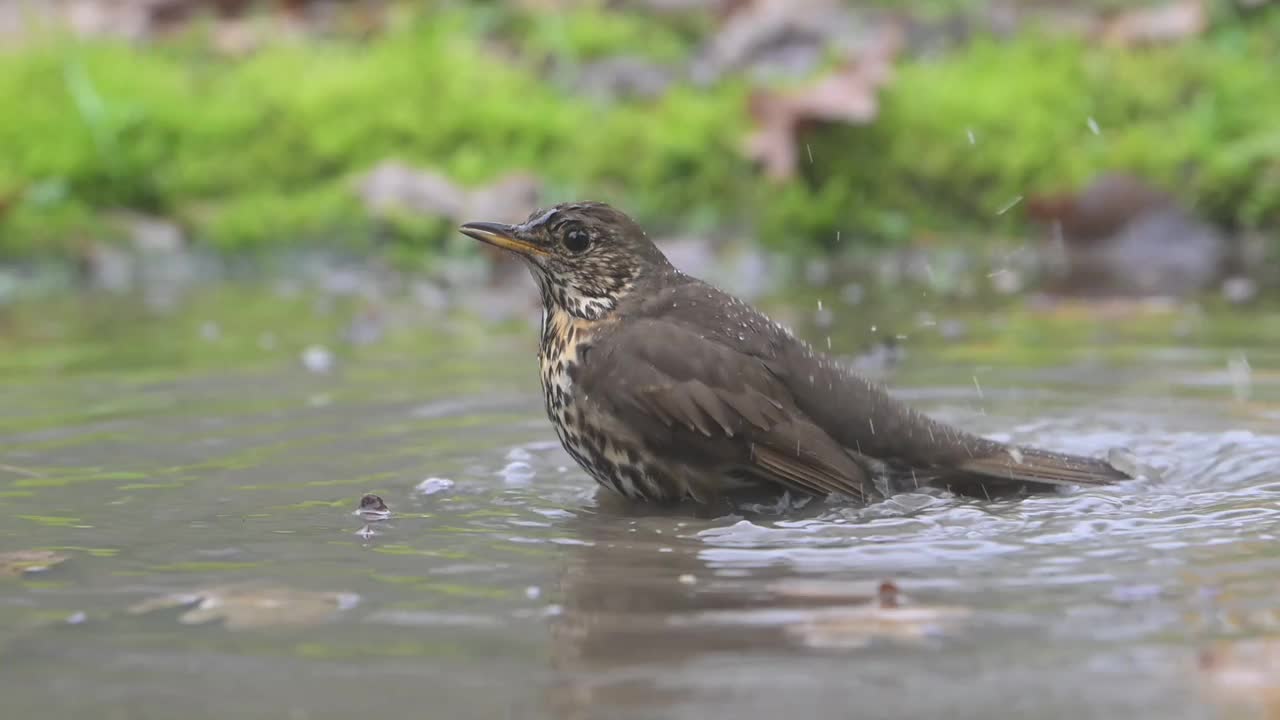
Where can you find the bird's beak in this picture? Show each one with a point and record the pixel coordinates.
(503, 236)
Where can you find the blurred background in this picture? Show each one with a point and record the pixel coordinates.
(233, 300)
(1081, 149)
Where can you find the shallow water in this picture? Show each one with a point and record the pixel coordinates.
(172, 455)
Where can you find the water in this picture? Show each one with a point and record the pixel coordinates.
(193, 455)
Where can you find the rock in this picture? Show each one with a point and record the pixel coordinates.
(1120, 237)
(776, 38)
(623, 77)
(372, 508)
(1239, 289)
(510, 199)
(106, 267)
(394, 186)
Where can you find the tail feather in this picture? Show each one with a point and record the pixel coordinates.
(1032, 465)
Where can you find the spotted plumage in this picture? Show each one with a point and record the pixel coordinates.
(664, 388)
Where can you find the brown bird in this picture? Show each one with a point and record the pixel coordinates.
(665, 389)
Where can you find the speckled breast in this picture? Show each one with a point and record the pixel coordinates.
(585, 435)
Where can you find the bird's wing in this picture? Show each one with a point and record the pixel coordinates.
(864, 418)
(708, 404)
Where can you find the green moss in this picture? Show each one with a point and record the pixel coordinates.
(265, 150)
(1195, 118)
(592, 32)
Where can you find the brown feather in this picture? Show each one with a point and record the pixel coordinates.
(808, 472)
(1042, 466)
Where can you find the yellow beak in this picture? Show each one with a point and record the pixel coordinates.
(499, 235)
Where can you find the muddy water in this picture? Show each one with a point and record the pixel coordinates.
(192, 479)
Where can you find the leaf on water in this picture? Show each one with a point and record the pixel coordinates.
(14, 469)
(1244, 673)
(21, 562)
(252, 605)
(868, 614)
(848, 95)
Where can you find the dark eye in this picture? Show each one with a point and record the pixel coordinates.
(576, 240)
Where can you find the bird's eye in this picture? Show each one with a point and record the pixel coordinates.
(576, 240)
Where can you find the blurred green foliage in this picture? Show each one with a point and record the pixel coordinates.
(264, 150)
(963, 137)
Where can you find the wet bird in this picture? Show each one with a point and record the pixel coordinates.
(665, 389)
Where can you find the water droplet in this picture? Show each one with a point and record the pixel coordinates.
(317, 359)
(433, 485)
(1009, 206)
(517, 473)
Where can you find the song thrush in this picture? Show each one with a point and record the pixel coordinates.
(664, 388)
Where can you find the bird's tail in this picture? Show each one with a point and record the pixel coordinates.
(1032, 465)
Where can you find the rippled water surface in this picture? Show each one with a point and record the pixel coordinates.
(198, 484)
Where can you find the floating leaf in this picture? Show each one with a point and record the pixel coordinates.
(21, 562)
(252, 605)
(1245, 673)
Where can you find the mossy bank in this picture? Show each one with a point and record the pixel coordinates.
(264, 150)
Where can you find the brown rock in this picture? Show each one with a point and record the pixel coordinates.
(1121, 237)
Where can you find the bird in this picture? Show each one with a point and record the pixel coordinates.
(665, 389)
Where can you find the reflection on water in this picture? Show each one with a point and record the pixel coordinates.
(215, 566)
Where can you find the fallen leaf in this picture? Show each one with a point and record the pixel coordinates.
(1244, 673)
(20, 562)
(1157, 24)
(18, 470)
(252, 605)
(849, 95)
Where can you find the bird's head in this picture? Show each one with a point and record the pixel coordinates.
(585, 256)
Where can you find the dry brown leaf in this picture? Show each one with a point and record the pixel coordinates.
(849, 95)
(1244, 673)
(1165, 23)
(20, 562)
(252, 605)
